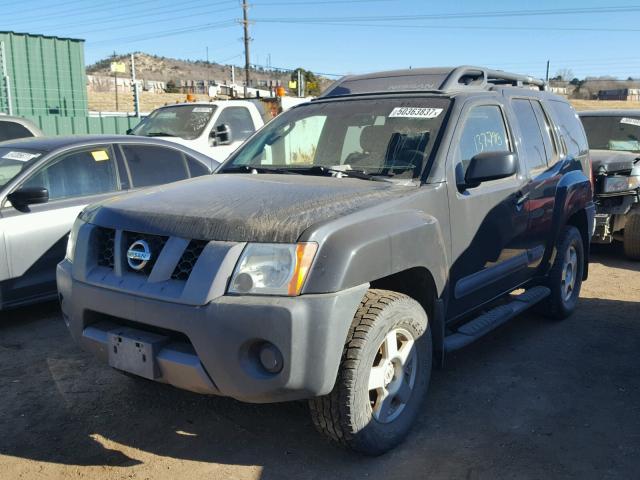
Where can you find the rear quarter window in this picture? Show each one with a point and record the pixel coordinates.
(572, 137)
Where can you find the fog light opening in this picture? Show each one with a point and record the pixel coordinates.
(270, 358)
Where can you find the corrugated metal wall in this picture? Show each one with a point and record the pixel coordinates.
(46, 74)
(78, 125)
(48, 85)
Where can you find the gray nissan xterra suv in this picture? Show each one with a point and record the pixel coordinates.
(344, 248)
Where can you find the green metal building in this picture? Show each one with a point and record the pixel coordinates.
(43, 79)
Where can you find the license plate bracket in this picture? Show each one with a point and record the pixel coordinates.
(135, 351)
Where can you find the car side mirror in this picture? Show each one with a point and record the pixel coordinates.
(129, 131)
(23, 197)
(488, 166)
(222, 134)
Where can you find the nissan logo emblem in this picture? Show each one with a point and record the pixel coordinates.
(138, 255)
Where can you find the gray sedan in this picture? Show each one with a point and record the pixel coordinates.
(46, 182)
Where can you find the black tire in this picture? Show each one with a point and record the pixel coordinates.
(346, 414)
(558, 305)
(632, 237)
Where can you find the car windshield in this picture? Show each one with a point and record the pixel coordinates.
(380, 137)
(612, 132)
(16, 160)
(184, 121)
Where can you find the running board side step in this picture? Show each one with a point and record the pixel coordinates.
(485, 323)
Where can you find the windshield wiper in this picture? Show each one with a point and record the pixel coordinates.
(160, 134)
(255, 169)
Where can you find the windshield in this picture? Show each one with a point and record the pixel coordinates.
(386, 137)
(184, 121)
(13, 161)
(613, 133)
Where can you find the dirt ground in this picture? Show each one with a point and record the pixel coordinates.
(535, 399)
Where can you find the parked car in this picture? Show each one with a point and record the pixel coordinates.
(46, 182)
(17, 127)
(614, 140)
(344, 247)
(215, 129)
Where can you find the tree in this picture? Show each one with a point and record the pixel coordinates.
(564, 74)
(171, 87)
(312, 82)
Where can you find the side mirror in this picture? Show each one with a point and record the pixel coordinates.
(222, 134)
(488, 166)
(23, 197)
(129, 130)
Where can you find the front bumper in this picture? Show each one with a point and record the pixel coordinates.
(211, 348)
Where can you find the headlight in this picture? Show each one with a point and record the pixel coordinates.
(71, 242)
(272, 268)
(615, 184)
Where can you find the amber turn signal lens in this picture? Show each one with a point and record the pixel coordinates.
(305, 252)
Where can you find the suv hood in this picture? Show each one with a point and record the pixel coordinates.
(613, 161)
(240, 207)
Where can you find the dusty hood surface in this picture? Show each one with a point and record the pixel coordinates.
(240, 207)
(613, 161)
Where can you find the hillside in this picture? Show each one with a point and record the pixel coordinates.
(151, 67)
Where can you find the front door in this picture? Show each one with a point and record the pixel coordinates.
(489, 221)
(35, 241)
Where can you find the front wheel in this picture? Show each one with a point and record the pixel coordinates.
(383, 378)
(565, 276)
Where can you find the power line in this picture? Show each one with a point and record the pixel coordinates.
(168, 33)
(445, 16)
(460, 27)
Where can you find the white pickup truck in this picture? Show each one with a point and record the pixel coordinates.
(215, 129)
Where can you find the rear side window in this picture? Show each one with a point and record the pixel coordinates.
(11, 130)
(150, 165)
(572, 136)
(76, 174)
(239, 121)
(196, 168)
(532, 140)
(484, 131)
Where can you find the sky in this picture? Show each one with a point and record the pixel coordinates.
(338, 37)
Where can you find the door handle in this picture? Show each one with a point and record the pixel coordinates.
(520, 198)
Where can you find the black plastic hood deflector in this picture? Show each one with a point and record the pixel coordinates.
(240, 207)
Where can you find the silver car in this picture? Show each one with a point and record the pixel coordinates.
(46, 182)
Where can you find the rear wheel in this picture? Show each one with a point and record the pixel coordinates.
(565, 276)
(383, 377)
(632, 237)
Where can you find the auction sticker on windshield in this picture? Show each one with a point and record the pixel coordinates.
(20, 156)
(202, 110)
(415, 112)
(631, 121)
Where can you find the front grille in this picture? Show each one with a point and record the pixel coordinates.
(105, 240)
(156, 244)
(188, 259)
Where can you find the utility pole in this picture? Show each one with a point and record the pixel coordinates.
(134, 85)
(546, 78)
(115, 80)
(245, 23)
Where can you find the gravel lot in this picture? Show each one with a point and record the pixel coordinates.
(536, 399)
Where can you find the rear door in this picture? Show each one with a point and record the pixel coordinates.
(35, 241)
(149, 165)
(488, 222)
(537, 146)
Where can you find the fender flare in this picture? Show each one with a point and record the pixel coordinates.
(374, 247)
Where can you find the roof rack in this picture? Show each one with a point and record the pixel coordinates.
(486, 78)
(437, 80)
